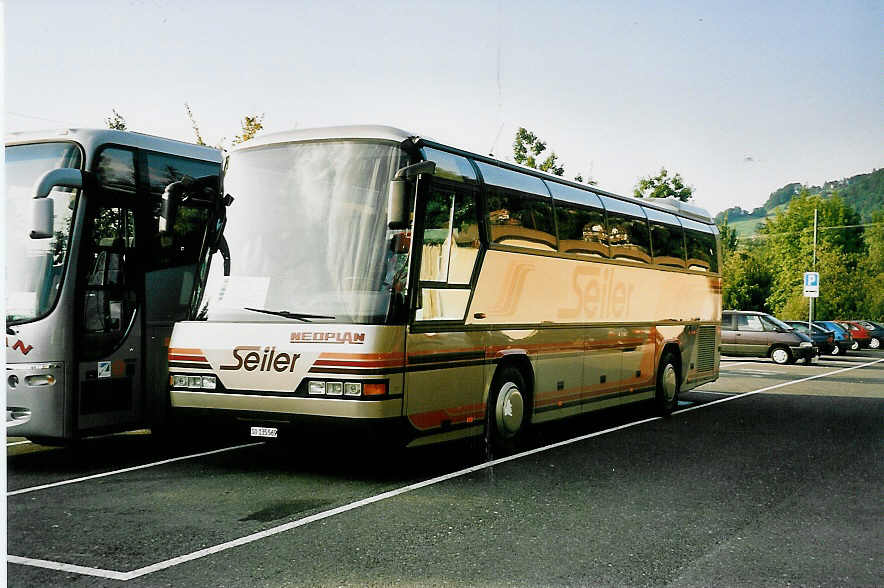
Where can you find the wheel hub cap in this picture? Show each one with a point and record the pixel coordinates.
(509, 410)
(670, 382)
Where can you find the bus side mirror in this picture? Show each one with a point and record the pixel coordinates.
(43, 207)
(44, 218)
(397, 202)
(397, 207)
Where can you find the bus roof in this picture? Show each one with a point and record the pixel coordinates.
(93, 138)
(387, 133)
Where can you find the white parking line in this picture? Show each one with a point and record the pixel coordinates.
(780, 385)
(115, 575)
(14, 443)
(130, 469)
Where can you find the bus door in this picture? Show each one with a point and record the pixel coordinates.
(444, 369)
(107, 332)
(183, 210)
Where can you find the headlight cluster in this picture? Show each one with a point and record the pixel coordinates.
(198, 382)
(351, 389)
(805, 344)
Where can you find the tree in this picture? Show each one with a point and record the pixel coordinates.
(663, 186)
(116, 121)
(871, 271)
(527, 147)
(789, 249)
(728, 237)
(196, 128)
(590, 181)
(250, 127)
(747, 279)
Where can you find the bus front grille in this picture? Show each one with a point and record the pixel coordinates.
(706, 348)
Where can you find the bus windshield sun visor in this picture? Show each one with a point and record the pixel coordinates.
(304, 318)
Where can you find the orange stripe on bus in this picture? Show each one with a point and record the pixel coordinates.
(183, 351)
(398, 355)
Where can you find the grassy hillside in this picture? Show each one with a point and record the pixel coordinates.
(864, 193)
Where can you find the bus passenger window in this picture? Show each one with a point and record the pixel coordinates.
(668, 244)
(701, 251)
(581, 230)
(629, 238)
(520, 220)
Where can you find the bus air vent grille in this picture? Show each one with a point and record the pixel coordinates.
(706, 349)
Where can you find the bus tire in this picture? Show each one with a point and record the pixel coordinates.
(507, 409)
(668, 384)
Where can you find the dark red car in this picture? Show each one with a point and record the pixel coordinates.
(861, 337)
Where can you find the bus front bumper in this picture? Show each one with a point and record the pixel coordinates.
(35, 399)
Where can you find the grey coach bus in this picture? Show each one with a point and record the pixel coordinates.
(104, 232)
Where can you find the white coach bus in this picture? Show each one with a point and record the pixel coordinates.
(104, 233)
(380, 278)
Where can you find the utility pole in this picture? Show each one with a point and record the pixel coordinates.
(810, 316)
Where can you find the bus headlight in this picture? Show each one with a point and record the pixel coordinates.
(346, 389)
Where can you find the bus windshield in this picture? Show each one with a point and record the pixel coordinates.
(34, 267)
(307, 234)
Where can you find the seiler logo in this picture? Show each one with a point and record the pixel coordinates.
(263, 360)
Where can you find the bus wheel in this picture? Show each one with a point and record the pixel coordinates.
(668, 384)
(507, 416)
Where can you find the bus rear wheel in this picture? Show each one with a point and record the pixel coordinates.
(507, 410)
(668, 385)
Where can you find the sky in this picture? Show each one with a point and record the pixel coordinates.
(739, 98)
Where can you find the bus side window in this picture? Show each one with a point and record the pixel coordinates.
(668, 244)
(701, 251)
(520, 220)
(581, 230)
(450, 247)
(629, 237)
(109, 294)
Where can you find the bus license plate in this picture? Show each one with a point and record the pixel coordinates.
(268, 432)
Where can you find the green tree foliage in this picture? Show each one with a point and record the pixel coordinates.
(728, 238)
(871, 268)
(196, 128)
(250, 127)
(789, 248)
(116, 121)
(527, 147)
(663, 186)
(747, 278)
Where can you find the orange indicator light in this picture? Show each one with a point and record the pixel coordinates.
(374, 389)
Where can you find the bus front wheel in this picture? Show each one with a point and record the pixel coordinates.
(507, 410)
(668, 384)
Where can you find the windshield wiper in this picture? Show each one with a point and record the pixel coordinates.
(290, 315)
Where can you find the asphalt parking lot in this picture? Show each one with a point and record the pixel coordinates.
(769, 476)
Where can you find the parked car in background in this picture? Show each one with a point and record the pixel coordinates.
(758, 334)
(861, 337)
(843, 339)
(822, 338)
(876, 330)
